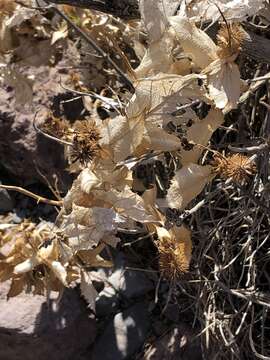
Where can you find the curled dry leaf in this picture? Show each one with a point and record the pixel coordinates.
(89, 181)
(91, 258)
(157, 58)
(32, 258)
(47, 255)
(59, 34)
(224, 83)
(187, 183)
(195, 42)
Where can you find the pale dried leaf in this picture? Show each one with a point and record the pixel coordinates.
(129, 205)
(159, 96)
(59, 34)
(87, 289)
(85, 227)
(158, 139)
(233, 10)
(93, 259)
(224, 84)
(59, 271)
(88, 181)
(154, 18)
(187, 183)
(20, 15)
(121, 136)
(195, 42)
(26, 265)
(6, 226)
(157, 58)
(200, 133)
(111, 240)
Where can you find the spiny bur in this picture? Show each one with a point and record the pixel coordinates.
(237, 167)
(85, 141)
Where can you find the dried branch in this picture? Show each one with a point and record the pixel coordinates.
(95, 46)
(125, 9)
(32, 195)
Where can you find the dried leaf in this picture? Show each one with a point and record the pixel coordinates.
(85, 227)
(159, 96)
(87, 289)
(59, 34)
(92, 257)
(154, 18)
(129, 205)
(195, 42)
(59, 271)
(17, 286)
(224, 84)
(156, 60)
(187, 183)
(88, 181)
(200, 133)
(232, 10)
(121, 136)
(26, 265)
(158, 139)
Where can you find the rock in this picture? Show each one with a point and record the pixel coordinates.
(40, 330)
(122, 284)
(131, 283)
(124, 335)
(24, 152)
(178, 344)
(6, 203)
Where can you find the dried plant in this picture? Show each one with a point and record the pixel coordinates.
(181, 91)
(237, 167)
(174, 248)
(85, 138)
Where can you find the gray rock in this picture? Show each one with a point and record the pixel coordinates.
(121, 283)
(6, 203)
(38, 329)
(24, 152)
(131, 283)
(124, 335)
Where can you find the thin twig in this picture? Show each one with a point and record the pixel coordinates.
(49, 136)
(249, 150)
(32, 195)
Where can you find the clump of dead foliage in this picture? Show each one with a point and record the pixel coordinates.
(184, 100)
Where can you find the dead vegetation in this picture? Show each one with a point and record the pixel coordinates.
(160, 91)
